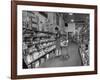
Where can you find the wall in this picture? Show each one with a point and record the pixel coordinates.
(5, 40)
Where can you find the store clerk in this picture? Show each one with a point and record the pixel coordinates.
(57, 42)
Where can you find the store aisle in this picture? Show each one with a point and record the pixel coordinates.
(59, 61)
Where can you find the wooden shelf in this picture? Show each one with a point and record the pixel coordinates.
(41, 42)
(41, 56)
(41, 49)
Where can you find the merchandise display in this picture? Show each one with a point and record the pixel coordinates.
(84, 44)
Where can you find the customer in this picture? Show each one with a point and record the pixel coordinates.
(58, 35)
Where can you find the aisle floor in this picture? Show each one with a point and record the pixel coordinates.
(74, 58)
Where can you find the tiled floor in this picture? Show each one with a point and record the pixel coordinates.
(73, 59)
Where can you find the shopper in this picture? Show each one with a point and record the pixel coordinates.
(58, 35)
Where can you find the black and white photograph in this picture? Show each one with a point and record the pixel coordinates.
(55, 39)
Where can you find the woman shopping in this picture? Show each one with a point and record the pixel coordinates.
(57, 42)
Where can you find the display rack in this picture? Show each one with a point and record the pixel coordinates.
(84, 44)
(39, 48)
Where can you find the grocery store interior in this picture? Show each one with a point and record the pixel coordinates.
(54, 39)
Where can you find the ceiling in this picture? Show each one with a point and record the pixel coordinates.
(75, 17)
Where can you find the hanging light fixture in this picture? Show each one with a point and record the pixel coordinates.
(66, 24)
(72, 20)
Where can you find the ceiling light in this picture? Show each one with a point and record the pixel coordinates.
(72, 20)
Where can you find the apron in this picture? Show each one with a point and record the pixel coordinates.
(58, 40)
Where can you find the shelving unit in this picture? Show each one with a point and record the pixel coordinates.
(84, 44)
(38, 44)
(40, 48)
